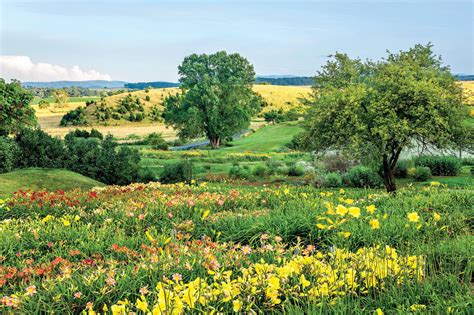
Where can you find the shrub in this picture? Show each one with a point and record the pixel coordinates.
(8, 154)
(259, 170)
(440, 165)
(307, 167)
(422, 174)
(78, 133)
(295, 170)
(332, 180)
(297, 142)
(401, 169)
(273, 165)
(75, 117)
(336, 163)
(238, 171)
(177, 172)
(38, 149)
(364, 177)
(467, 161)
(147, 98)
(156, 141)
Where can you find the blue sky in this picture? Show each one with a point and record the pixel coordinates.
(146, 40)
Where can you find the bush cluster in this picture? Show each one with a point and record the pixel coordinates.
(75, 117)
(181, 171)
(84, 152)
(156, 141)
(364, 177)
(440, 165)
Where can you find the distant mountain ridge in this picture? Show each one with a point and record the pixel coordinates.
(91, 84)
(464, 77)
(286, 80)
(155, 84)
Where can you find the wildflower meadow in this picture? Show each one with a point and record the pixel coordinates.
(216, 249)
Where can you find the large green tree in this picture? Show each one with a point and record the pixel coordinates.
(377, 109)
(216, 98)
(15, 109)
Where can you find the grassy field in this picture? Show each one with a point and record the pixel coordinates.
(43, 179)
(180, 249)
(250, 150)
(267, 139)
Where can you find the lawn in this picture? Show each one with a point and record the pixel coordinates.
(43, 179)
(267, 139)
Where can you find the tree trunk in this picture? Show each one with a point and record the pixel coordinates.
(215, 142)
(389, 177)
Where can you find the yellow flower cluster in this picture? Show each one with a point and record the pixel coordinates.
(266, 285)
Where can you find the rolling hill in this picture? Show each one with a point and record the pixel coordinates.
(44, 179)
(277, 97)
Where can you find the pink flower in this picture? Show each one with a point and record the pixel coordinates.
(31, 290)
(144, 290)
(177, 277)
(78, 295)
(246, 250)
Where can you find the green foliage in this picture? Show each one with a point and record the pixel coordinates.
(259, 170)
(38, 149)
(79, 133)
(131, 108)
(43, 104)
(440, 165)
(84, 152)
(273, 116)
(238, 171)
(156, 141)
(181, 171)
(8, 154)
(364, 177)
(332, 180)
(216, 100)
(102, 112)
(295, 170)
(15, 110)
(401, 169)
(102, 160)
(377, 109)
(155, 113)
(422, 174)
(75, 117)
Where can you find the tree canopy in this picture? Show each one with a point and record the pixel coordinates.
(216, 98)
(15, 109)
(377, 109)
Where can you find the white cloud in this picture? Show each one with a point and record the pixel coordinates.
(24, 69)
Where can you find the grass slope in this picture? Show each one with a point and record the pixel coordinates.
(44, 179)
(267, 139)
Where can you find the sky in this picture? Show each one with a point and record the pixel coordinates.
(144, 40)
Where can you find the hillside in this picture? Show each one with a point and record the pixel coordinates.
(277, 97)
(44, 179)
